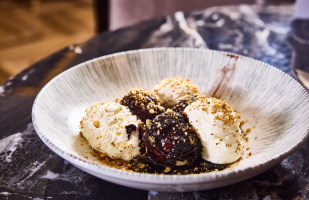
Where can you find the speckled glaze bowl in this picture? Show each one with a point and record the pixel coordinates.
(274, 105)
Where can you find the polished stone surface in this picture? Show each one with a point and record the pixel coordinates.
(29, 170)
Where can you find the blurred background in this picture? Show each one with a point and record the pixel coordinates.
(33, 29)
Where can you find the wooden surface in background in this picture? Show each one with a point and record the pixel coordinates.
(33, 29)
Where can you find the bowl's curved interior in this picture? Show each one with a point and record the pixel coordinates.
(275, 105)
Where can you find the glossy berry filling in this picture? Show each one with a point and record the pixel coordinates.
(170, 140)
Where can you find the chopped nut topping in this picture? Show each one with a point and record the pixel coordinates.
(96, 124)
(167, 169)
(141, 165)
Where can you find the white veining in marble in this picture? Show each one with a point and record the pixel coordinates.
(199, 42)
(50, 175)
(25, 77)
(5, 193)
(36, 167)
(31, 164)
(215, 16)
(224, 46)
(238, 42)
(200, 23)
(78, 50)
(69, 176)
(167, 26)
(278, 28)
(250, 15)
(220, 22)
(8, 83)
(156, 36)
(152, 193)
(9, 144)
(262, 37)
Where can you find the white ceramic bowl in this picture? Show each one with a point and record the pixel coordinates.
(273, 103)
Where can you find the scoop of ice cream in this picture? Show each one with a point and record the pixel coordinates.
(170, 140)
(171, 90)
(112, 129)
(145, 105)
(218, 127)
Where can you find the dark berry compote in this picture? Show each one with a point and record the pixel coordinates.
(145, 105)
(170, 141)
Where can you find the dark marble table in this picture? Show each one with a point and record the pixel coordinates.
(29, 170)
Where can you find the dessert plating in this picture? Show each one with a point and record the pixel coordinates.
(172, 130)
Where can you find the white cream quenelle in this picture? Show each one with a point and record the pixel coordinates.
(111, 128)
(218, 127)
(171, 90)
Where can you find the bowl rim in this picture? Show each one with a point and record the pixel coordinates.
(155, 178)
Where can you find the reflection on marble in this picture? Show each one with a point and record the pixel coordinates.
(27, 165)
(257, 32)
(29, 170)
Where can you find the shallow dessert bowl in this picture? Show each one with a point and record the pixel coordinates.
(275, 106)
